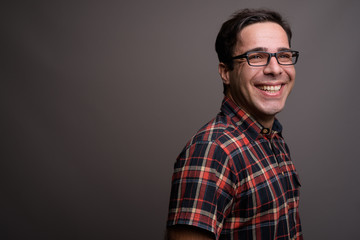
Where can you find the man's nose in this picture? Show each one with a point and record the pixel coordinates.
(273, 67)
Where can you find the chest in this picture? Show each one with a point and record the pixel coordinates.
(267, 176)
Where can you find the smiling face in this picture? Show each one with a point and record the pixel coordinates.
(259, 91)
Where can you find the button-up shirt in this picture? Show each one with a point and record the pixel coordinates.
(235, 178)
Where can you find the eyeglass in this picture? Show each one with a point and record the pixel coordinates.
(259, 58)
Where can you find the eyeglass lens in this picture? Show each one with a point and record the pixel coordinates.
(262, 58)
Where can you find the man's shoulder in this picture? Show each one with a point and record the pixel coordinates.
(218, 130)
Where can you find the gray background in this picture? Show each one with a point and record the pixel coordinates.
(98, 98)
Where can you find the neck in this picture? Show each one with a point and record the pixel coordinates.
(266, 121)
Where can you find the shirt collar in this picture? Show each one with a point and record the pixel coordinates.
(249, 126)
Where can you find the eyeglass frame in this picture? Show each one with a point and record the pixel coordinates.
(246, 55)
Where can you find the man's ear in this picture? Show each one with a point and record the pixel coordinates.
(224, 73)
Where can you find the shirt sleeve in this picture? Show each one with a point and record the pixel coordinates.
(203, 186)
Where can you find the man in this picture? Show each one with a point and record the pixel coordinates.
(235, 179)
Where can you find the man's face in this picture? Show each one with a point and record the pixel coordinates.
(260, 91)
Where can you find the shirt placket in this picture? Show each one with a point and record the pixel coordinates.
(284, 174)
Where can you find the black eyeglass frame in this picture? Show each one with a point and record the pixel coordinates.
(246, 55)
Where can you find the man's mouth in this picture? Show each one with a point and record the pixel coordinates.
(270, 89)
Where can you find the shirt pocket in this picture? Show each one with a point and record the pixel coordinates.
(295, 179)
(294, 184)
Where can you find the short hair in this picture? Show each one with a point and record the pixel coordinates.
(227, 36)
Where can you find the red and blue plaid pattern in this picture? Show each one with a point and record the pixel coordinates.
(235, 181)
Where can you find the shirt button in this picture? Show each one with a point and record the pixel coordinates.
(265, 131)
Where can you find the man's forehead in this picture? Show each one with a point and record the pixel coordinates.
(263, 37)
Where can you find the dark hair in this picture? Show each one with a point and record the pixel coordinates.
(227, 36)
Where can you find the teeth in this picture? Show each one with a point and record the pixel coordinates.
(270, 88)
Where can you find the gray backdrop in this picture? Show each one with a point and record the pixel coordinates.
(97, 98)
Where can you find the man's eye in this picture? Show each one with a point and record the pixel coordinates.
(256, 56)
(285, 55)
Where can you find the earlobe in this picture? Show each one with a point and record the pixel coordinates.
(224, 73)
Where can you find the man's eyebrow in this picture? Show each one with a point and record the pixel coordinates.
(284, 49)
(263, 49)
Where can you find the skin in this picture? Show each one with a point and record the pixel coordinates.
(182, 232)
(244, 80)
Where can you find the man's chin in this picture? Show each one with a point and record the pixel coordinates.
(269, 113)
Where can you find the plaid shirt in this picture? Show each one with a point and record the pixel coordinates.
(236, 181)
